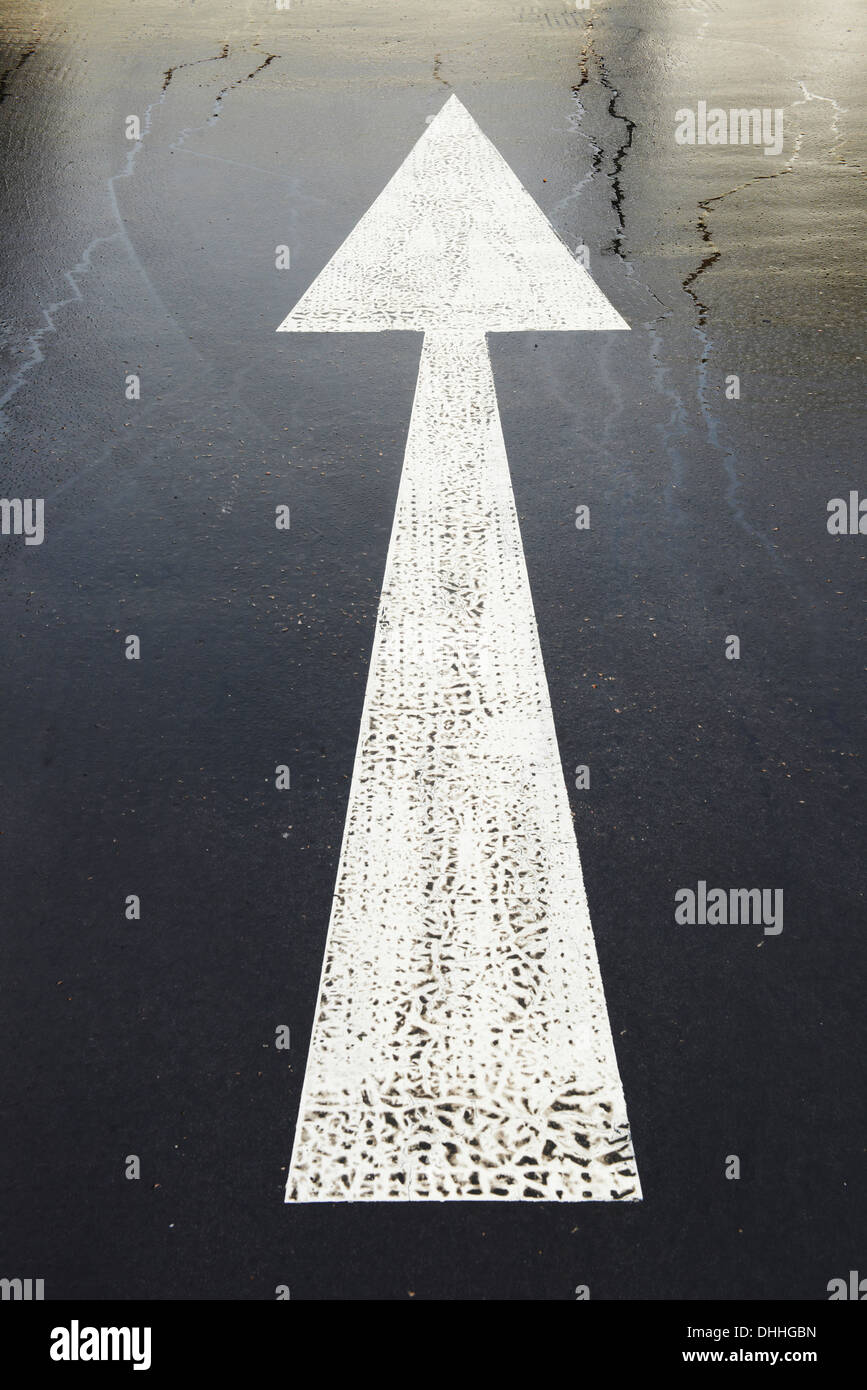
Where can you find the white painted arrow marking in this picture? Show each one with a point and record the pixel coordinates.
(461, 1047)
(454, 242)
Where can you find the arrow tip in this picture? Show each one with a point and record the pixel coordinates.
(453, 243)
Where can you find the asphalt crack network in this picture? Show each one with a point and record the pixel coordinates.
(218, 102)
(170, 72)
(675, 429)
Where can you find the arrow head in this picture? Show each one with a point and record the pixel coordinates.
(453, 243)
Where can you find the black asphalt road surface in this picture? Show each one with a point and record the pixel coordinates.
(156, 257)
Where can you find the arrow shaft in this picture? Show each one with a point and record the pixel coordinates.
(461, 1046)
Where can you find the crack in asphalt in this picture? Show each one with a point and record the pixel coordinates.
(170, 72)
(220, 98)
(615, 247)
(788, 168)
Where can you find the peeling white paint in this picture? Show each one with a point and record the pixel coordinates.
(453, 242)
(461, 1047)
